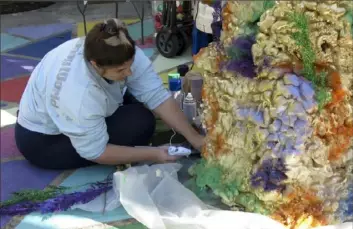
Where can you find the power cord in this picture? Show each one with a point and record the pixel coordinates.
(171, 138)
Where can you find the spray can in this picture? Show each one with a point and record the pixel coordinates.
(190, 107)
(175, 88)
(196, 82)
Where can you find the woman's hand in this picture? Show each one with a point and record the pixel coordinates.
(162, 155)
(197, 141)
(171, 114)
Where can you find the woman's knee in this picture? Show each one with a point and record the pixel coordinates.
(132, 124)
(48, 151)
(144, 120)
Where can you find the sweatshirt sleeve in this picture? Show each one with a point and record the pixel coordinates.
(145, 84)
(87, 129)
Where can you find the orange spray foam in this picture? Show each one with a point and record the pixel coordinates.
(339, 136)
(219, 140)
(303, 210)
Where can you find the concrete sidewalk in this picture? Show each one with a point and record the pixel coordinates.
(67, 12)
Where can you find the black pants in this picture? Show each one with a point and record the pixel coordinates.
(131, 125)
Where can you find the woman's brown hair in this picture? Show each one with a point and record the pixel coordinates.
(109, 44)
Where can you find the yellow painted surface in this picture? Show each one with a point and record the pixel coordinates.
(81, 30)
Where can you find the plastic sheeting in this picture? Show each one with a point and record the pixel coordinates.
(154, 196)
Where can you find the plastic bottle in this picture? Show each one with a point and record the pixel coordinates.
(174, 82)
(175, 88)
(190, 107)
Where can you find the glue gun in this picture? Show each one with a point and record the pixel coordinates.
(178, 151)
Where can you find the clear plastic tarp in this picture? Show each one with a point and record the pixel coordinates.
(154, 196)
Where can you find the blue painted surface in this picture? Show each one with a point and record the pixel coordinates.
(40, 48)
(135, 29)
(148, 52)
(38, 32)
(88, 175)
(59, 220)
(10, 42)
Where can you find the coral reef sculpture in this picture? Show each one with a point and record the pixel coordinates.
(277, 107)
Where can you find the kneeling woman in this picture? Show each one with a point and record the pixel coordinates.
(75, 112)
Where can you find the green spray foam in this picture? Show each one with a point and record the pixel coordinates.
(349, 17)
(259, 8)
(34, 195)
(302, 39)
(256, 9)
(211, 175)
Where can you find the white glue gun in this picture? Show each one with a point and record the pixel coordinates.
(178, 151)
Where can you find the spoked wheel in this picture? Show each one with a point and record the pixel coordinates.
(182, 44)
(167, 47)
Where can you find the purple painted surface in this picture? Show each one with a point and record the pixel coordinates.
(4, 220)
(8, 148)
(15, 66)
(37, 32)
(19, 175)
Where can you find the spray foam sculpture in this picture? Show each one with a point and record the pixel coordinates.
(277, 106)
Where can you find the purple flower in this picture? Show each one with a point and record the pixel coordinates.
(267, 165)
(280, 165)
(244, 44)
(277, 176)
(270, 175)
(259, 179)
(19, 209)
(62, 202)
(271, 144)
(270, 187)
(241, 57)
(66, 201)
(244, 67)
